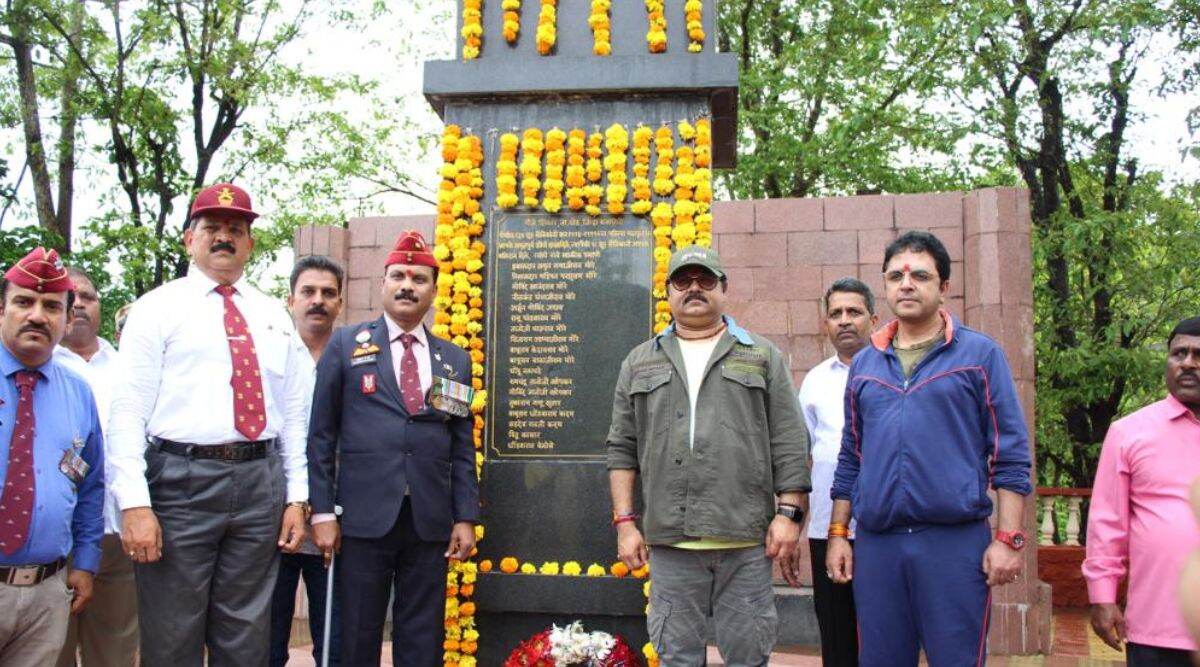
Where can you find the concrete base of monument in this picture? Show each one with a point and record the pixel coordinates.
(514, 607)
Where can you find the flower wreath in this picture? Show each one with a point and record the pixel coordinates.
(572, 645)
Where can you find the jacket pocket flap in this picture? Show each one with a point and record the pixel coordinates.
(744, 377)
(642, 384)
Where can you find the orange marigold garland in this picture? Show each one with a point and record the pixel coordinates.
(531, 166)
(458, 316)
(600, 21)
(556, 159)
(547, 28)
(512, 20)
(693, 11)
(472, 28)
(656, 35)
(616, 143)
(595, 173)
(641, 170)
(576, 172)
(506, 172)
(684, 232)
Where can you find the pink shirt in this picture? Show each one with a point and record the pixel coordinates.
(420, 351)
(1141, 524)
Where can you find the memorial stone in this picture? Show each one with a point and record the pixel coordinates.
(567, 296)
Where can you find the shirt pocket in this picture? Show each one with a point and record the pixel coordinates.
(650, 394)
(271, 348)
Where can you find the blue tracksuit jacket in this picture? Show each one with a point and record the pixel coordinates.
(924, 450)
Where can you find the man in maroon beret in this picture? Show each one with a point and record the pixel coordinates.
(51, 467)
(207, 440)
(392, 406)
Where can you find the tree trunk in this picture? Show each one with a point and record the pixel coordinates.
(35, 149)
(66, 140)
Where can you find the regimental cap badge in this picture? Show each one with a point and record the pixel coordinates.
(225, 196)
(362, 336)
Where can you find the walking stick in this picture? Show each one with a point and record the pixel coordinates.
(328, 610)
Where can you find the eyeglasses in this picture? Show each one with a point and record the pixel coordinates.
(918, 276)
(706, 281)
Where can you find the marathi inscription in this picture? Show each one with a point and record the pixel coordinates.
(571, 298)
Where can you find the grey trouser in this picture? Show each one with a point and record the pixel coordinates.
(212, 588)
(732, 586)
(106, 631)
(33, 621)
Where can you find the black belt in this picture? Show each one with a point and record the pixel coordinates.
(231, 451)
(30, 575)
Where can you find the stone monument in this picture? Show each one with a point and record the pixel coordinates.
(567, 294)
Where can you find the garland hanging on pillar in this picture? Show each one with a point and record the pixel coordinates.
(547, 29)
(472, 28)
(512, 20)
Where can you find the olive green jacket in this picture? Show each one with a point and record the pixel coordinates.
(750, 443)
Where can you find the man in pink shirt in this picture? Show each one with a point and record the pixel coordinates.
(1140, 523)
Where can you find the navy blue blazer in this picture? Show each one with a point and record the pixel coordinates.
(380, 448)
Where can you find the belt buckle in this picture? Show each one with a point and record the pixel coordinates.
(24, 576)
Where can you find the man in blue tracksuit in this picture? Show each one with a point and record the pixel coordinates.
(932, 420)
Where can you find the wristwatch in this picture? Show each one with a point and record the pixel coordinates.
(792, 512)
(304, 506)
(1014, 539)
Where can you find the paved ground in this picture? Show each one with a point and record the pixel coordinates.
(1074, 646)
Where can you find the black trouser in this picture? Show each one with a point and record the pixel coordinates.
(834, 604)
(1141, 655)
(369, 569)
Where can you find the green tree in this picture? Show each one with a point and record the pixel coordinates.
(1054, 90)
(833, 93)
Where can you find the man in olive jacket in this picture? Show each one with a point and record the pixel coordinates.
(705, 412)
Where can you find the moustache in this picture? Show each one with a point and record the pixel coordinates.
(222, 245)
(34, 327)
(1189, 374)
(406, 296)
(80, 315)
(695, 296)
(317, 310)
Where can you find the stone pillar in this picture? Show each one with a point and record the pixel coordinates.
(998, 286)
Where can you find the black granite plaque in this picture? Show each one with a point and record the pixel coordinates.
(569, 297)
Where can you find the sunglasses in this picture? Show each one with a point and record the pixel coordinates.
(706, 281)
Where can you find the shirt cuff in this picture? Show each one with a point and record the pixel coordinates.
(297, 491)
(322, 518)
(1102, 591)
(86, 557)
(139, 496)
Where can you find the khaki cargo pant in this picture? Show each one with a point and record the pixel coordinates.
(731, 586)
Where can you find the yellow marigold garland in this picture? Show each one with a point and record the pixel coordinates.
(641, 170)
(616, 143)
(556, 159)
(531, 166)
(595, 172)
(472, 28)
(506, 172)
(664, 145)
(576, 172)
(656, 35)
(547, 28)
(512, 20)
(684, 232)
(600, 21)
(703, 179)
(693, 11)
(458, 316)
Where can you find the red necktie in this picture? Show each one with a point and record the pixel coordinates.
(16, 502)
(249, 409)
(410, 378)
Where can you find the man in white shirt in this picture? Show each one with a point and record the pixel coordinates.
(105, 633)
(315, 301)
(207, 437)
(849, 318)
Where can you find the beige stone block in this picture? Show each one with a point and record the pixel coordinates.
(742, 250)
(806, 317)
(871, 244)
(789, 283)
(861, 212)
(822, 248)
(923, 211)
(788, 215)
(733, 217)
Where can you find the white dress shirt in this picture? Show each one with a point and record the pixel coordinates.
(176, 361)
(100, 374)
(822, 400)
(420, 351)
